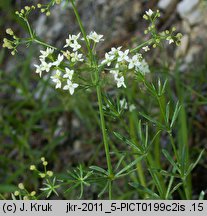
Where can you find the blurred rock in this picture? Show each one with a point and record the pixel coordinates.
(193, 51)
(186, 6)
(182, 49)
(186, 26)
(166, 4)
(195, 17)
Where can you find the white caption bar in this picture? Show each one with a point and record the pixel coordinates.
(102, 207)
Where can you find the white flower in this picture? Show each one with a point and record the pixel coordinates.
(114, 51)
(75, 46)
(146, 48)
(120, 82)
(134, 62)
(95, 37)
(68, 42)
(75, 37)
(58, 83)
(68, 73)
(58, 61)
(70, 39)
(46, 53)
(171, 41)
(56, 79)
(143, 67)
(123, 56)
(132, 107)
(76, 57)
(70, 86)
(45, 66)
(123, 104)
(115, 73)
(149, 12)
(108, 59)
(38, 69)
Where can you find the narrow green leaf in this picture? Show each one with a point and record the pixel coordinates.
(130, 165)
(193, 165)
(146, 137)
(164, 87)
(175, 114)
(127, 173)
(165, 173)
(201, 196)
(170, 159)
(140, 130)
(103, 190)
(167, 111)
(152, 120)
(175, 188)
(144, 190)
(72, 187)
(119, 162)
(128, 142)
(99, 169)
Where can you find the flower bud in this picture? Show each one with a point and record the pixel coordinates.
(45, 163)
(21, 186)
(27, 8)
(50, 173)
(33, 193)
(9, 31)
(48, 13)
(42, 159)
(16, 193)
(42, 175)
(32, 167)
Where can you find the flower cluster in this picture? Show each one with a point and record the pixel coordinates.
(46, 173)
(168, 35)
(45, 8)
(23, 193)
(11, 44)
(60, 74)
(122, 62)
(23, 13)
(49, 184)
(63, 66)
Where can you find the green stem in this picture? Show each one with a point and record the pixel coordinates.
(44, 44)
(29, 28)
(99, 95)
(103, 127)
(173, 146)
(110, 190)
(141, 45)
(82, 29)
(104, 134)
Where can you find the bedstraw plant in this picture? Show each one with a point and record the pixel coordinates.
(76, 67)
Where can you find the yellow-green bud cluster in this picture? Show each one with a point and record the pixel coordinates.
(7, 43)
(10, 44)
(44, 9)
(45, 174)
(23, 13)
